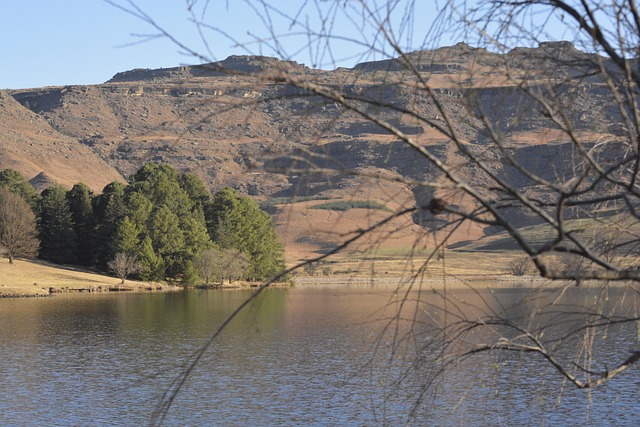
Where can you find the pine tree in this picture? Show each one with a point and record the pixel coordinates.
(152, 266)
(109, 210)
(127, 237)
(168, 239)
(196, 190)
(196, 236)
(17, 184)
(56, 230)
(238, 222)
(79, 198)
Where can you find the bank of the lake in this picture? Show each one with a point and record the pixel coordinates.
(26, 278)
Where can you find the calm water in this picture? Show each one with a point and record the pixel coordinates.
(297, 357)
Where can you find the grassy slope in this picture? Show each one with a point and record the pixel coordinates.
(35, 278)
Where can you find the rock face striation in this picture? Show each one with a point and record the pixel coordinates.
(242, 123)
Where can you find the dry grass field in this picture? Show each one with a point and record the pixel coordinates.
(31, 278)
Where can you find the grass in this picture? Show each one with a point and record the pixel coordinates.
(345, 205)
(36, 277)
(291, 200)
(395, 262)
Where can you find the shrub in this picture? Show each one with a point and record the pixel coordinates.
(345, 205)
(519, 266)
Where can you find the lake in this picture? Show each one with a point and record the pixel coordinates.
(296, 357)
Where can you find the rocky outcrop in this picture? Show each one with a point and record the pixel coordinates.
(221, 120)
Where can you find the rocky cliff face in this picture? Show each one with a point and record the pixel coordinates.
(220, 120)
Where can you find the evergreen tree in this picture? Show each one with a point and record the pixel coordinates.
(160, 184)
(139, 209)
(79, 198)
(56, 227)
(152, 266)
(100, 202)
(110, 209)
(238, 222)
(196, 236)
(196, 190)
(127, 237)
(17, 184)
(160, 203)
(168, 239)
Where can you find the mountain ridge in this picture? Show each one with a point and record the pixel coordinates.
(229, 125)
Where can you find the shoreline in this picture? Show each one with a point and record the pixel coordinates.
(28, 279)
(31, 278)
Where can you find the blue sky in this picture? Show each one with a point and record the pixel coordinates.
(60, 42)
(47, 42)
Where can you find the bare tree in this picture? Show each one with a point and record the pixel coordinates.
(476, 156)
(519, 266)
(236, 264)
(221, 264)
(208, 265)
(18, 234)
(123, 265)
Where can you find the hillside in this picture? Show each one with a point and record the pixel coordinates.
(229, 126)
(36, 278)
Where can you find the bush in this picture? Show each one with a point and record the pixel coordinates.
(345, 205)
(519, 266)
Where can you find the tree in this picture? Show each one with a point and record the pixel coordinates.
(198, 193)
(167, 207)
(152, 266)
(209, 265)
(476, 169)
(161, 185)
(237, 222)
(79, 198)
(168, 238)
(16, 183)
(56, 228)
(18, 233)
(221, 264)
(109, 209)
(123, 265)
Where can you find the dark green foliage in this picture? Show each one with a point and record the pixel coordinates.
(100, 202)
(239, 223)
(195, 189)
(294, 199)
(162, 220)
(56, 228)
(168, 238)
(152, 266)
(79, 198)
(167, 208)
(196, 235)
(110, 209)
(345, 205)
(160, 184)
(17, 184)
(127, 237)
(189, 274)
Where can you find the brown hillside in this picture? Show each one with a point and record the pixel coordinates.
(30, 145)
(221, 121)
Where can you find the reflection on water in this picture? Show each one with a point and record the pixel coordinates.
(297, 357)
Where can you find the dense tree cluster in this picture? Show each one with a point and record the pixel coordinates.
(162, 221)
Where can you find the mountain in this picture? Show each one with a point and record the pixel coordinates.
(227, 124)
